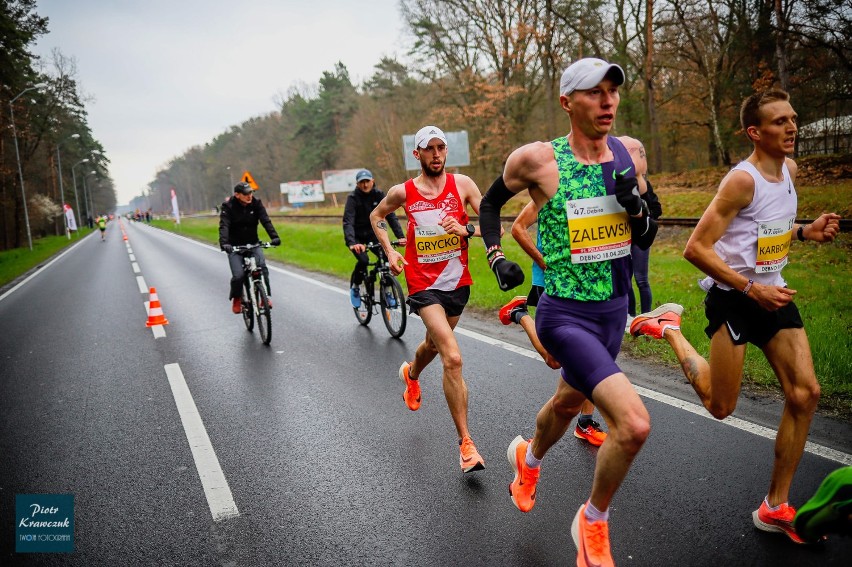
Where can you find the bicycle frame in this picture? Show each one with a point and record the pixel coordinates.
(256, 304)
(391, 299)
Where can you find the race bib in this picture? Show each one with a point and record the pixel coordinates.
(433, 244)
(773, 245)
(599, 229)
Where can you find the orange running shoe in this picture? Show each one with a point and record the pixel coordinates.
(592, 541)
(654, 323)
(469, 458)
(519, 302)
(237, 305)
(522, 487)
(411, 395)
(592, 433)
(781, 520)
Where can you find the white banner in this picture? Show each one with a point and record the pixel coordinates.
(175, 210)
(69, 217)
(303, 191)
(458, 150)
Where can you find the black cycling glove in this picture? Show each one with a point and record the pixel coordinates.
(275, 241)
(627, 194)
(509, 274)
(227, 248)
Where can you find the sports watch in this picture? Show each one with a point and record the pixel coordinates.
(471, 230)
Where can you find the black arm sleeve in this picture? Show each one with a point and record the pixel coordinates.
(489, 211)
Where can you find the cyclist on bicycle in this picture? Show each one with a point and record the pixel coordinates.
(357, 230)
(238, 227)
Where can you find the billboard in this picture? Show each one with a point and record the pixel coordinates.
(340, 180)
(303, 191)
(458, 150)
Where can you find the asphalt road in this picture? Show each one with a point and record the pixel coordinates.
(306, 453)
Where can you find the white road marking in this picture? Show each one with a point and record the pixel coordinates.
(136, 269)
(216, 489)
(143, 287)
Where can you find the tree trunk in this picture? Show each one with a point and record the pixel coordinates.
(780, 46)
(656, 163)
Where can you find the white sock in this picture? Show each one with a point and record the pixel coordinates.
(594, 515)
(770, 506)
(530, 460)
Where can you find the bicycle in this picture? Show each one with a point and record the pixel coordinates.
(255, 302)
(391, 301)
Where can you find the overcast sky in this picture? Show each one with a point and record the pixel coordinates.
(168, 75)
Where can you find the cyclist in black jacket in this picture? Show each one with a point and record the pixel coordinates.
(238, 227)
(357, 229)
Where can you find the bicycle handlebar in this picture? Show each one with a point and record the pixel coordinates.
(377, 246)
(247, 247)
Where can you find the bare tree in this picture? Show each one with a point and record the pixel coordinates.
(699, 39)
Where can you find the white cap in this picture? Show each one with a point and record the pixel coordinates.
(426, 134)
(587, 73)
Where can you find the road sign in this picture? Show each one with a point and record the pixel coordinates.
(247, 178)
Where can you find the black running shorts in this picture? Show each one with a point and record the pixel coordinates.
(747, 321)
(534, 295)
(453, 302)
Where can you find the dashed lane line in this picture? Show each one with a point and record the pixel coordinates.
(216, 489)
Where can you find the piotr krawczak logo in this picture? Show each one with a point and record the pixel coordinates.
(44, 523)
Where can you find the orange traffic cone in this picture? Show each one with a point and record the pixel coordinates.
(155, 312)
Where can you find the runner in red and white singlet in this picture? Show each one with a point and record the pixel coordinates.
(436, 259)
(435, 265)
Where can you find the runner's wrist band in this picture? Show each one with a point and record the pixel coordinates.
(747, 287)
(493, 253)
(800, 234)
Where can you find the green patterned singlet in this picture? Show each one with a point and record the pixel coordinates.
(562, 278)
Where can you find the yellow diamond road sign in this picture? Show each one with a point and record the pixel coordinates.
(247, 178)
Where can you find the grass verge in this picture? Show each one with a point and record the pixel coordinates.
(18, 261)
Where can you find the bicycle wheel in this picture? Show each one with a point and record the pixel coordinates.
(248, 310)
(393, 306)
(264, 314)
(364, 312)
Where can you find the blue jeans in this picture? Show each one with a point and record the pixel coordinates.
(640, 274)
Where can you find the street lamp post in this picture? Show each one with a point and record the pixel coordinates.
(89, 193)
(231, 178)
(18, 155)
(61, 188)
(76, 198)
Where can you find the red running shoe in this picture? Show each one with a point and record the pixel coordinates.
(781, 520)
(522, 487)
(469, 458)
(518, 303)
(592, 433)
(411, 395)
(592, 541)
(654, 323)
